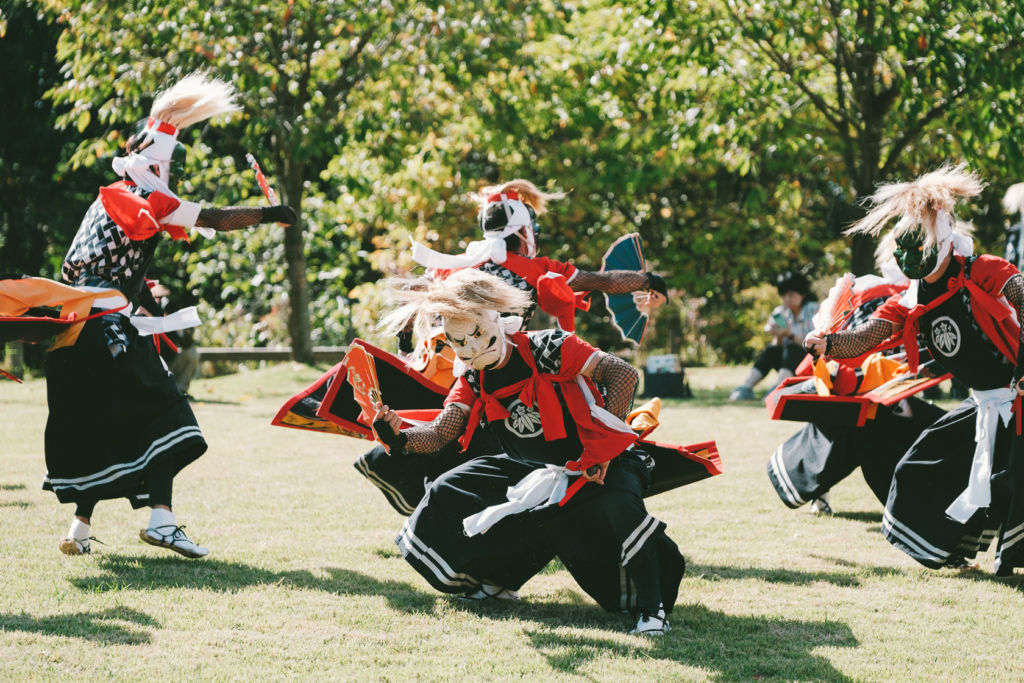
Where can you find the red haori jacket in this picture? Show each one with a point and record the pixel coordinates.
(139, 217)
(551, 280)
(600, 442)
(994, 315)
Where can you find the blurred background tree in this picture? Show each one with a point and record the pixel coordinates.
(672, 120)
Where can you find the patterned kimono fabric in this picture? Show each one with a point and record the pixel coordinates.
(113, 419)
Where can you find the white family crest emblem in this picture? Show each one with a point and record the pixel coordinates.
(524, 421)
(946, 336)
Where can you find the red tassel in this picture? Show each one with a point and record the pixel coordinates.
(576, 486)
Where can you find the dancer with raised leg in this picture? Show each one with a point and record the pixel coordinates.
(118, 424)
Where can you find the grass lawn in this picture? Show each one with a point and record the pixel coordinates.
(305, 583)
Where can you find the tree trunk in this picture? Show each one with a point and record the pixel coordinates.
(295, 258)
(862, 257)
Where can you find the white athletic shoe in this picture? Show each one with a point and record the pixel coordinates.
(652, 625)
(173, 538)
(820, 506)
(489, 592)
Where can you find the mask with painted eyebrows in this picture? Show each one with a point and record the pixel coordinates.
(914, 259)
(479, 342)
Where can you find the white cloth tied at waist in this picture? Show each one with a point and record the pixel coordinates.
(992, 405)
(544, 486)
(146, 325)
(539, 489)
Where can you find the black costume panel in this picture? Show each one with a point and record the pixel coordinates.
(404, 478)
(432, 540)
(112, 419)
(819, 456)
(598, 534)
(931, 476)
(955, 339)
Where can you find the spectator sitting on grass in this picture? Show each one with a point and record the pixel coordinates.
(788, 324)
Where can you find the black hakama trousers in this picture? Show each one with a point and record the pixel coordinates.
(934, 472)
(598, 534)
(112, 420)
(404, 478)
(819, 456)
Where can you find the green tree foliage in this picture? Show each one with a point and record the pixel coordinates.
(41, 202)
(296, 65)
(874, 91)
(735, 138)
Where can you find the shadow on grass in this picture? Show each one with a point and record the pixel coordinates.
(12, 487)
(147, 573)
(850, 579)
(16, 504)
(866, 517)
(1015, 582)
(109, 627)
(733, 648)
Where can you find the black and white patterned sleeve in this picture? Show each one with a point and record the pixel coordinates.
(547, 350)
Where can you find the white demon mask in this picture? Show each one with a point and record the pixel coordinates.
(479, 342)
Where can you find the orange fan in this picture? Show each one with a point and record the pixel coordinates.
(837, 307)
(362, 375)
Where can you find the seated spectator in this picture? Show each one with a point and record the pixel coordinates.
(788, 324)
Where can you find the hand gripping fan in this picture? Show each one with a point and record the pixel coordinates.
(626, 254)
(363, 377)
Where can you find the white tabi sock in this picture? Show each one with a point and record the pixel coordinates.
(79, 530)
(160, 517)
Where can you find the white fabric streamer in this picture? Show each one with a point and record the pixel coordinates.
(491, 248)
(539, 489)
(992, 405)
(181, 320)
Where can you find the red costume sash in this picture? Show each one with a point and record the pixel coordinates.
(139, 217)
(554, 296)
(600, 442)
(993, 316)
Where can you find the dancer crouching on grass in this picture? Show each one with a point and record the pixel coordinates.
(484, 528)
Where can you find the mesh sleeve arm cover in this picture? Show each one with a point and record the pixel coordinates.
(619, 379)
(610, 281)
(854, 343)
(1014, 293)
(237, 217)
(438, 433)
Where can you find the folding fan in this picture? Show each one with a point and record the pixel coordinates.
(626, 254)
(837, 307)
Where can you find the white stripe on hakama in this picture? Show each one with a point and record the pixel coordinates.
(388, 490)
(183, 434)
(783, 476)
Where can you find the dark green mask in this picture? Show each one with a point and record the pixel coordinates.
(914, 260)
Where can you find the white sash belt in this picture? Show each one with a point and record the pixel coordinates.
(183, 319)
(540, 488)
(992, 405)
